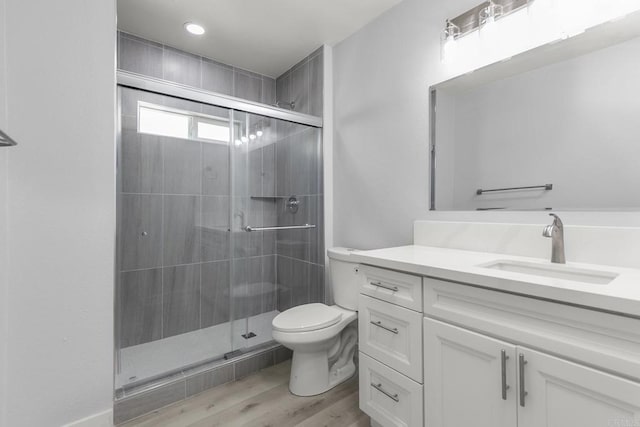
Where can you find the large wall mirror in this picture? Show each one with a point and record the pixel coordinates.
(557, 127)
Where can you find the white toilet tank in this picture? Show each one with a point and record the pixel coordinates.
(345, 278)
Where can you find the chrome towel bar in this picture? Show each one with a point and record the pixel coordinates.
(249, 228)
(546, 187)
(6, 140)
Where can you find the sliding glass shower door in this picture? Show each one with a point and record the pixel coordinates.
(174, 199)
(213, 205)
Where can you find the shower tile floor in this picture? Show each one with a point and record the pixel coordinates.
(153, 359)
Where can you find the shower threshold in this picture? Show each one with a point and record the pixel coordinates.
(145, 362)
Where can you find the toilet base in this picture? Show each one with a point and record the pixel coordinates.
(313, 378)
(317, 372)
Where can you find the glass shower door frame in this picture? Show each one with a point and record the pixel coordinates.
(236, 106)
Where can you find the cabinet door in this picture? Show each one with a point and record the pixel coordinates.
(469, 378)
(563, 393)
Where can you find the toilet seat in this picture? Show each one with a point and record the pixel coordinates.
(307, 317)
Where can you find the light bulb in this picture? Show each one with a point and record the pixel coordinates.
(252, 137)
(448, 41)
(238, 143)
(259, 133)
(488, 30)
(244, 139)
(195, 29)
(449, 49)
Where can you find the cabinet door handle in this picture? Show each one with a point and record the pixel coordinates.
(389, 288)
(503, 364)
(523, 392)
(378, 387)
(386, 328)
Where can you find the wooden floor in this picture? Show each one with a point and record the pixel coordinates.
(262, 399)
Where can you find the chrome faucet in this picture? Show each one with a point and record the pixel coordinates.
(556, 232)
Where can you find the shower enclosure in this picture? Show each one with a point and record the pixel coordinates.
(219, 225)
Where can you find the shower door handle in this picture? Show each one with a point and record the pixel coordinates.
(250, 228)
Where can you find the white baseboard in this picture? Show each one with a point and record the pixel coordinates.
(101, 419)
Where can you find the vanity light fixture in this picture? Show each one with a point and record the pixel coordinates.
(490, 13)
(193, 28)
(483, 15)
(448, 42)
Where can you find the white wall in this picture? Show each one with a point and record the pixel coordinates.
(381, 79)
(60, 99)
(573, 124)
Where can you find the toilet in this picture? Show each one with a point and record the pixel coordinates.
(323, 338)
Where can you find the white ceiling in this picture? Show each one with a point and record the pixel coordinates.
(264, 36)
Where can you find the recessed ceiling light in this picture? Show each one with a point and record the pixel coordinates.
(195, 29)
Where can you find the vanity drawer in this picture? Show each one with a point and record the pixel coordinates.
(389, 398)
(397, 288)
(392, 335)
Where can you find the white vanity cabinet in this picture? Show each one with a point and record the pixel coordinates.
(473, 379)
(562, 365)
(492, 358)
(390, 342)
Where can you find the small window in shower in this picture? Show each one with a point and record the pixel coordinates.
(208, 130)
(163, 121)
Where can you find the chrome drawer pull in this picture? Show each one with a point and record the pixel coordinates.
(378, 387)
(389, 288)
(503, 363)
(523, 392)
(380, 325)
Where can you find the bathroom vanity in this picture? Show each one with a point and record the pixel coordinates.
(453, 337)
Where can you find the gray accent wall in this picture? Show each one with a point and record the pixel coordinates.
(300, 253)
(174, 251)
(303, 84)
(152, 59)
(299, 172)
(176, 257)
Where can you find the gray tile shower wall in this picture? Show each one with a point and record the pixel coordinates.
(299, 282)
(164, 62)
(303, 84)
(300, 253)
(174, 254)
(175, 245)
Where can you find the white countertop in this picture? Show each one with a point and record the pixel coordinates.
(622, 295)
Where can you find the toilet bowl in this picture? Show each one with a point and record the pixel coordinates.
(323, 338)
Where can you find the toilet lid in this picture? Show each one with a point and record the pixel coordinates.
(307, 317)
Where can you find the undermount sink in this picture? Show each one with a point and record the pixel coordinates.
(555, 271)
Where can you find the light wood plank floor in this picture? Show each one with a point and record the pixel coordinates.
(262, 399)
